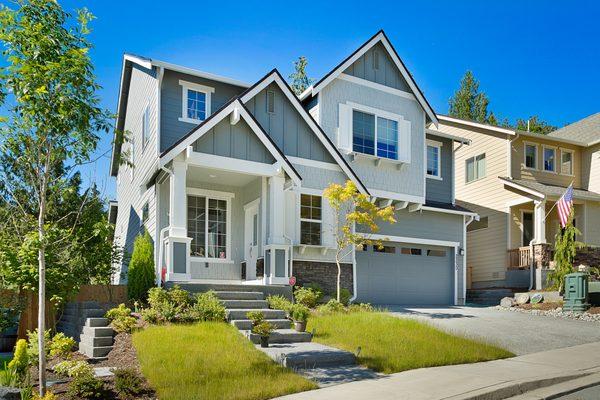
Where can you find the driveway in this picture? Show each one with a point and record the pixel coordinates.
(518, 332)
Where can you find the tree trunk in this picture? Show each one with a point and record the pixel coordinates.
(42, 280)
(339, 277)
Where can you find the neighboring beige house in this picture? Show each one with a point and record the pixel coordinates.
(512, 179)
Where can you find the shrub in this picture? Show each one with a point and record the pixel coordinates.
(20, 361)
(300, 313)
(167, 311)
(362, 307)
(9, 377)
(263, 328)
(208, 307)
(117, 312)
(306, 296)
(157, 296)
(124, 324)
(332, 306)
(140, 274)
(128, 383)
(151, 316)
(73, 369)
(257, 317)
(61, 345)
(345, 296)
(48, 396)
(278, 302)
(179, 297)
(32, 347)
(86, 387)
(317, 289)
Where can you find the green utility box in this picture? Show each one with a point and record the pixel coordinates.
(576, 292)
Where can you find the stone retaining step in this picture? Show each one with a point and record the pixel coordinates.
(240, 295)
(94, 352)
(101, 331)
(96, 322)
(246, 324)
(244, 304)
(308, 355)
(84, 313)
(281, 336)
(96, 341)
(235, 313)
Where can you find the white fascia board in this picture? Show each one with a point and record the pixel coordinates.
(383, 194)
(524, 189)
(476, 125)
(551, 138)
(274, 77)
(306, 92)
(141, 61)
(446, 211)
(314, 164)
(230, 164)
(407, 239)
(377, 86)
(445, 135)
(200, 74)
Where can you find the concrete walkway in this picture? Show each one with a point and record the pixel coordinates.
(490, 380)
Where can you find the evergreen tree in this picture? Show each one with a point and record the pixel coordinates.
(565, 249)
(468, 102)
(299, 81)
(536, 125)
(140, 274)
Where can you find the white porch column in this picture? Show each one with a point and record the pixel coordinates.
(177, 245)
(540, 221)
(277, 210)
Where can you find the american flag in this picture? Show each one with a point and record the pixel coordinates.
(564, 205)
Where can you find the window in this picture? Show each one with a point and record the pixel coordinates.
(566, 162)
(436, 253)
(310, 219)
(376, 60)
(361, 247)
(146, 126)
(195, 102)
(270, 101)
(145, 213)
(531, 156)
(365, 137)
(434, 159)
(475, 168)
(549, 159)
(384, 249)
(207, 226)
(477, 225)
(411, 251)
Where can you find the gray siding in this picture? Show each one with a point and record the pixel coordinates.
(236, 141)
(442, 190)
(319, 178)
(287, 127)
(171, 128)
(387, 74)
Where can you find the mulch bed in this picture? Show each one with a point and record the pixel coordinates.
(541, 306)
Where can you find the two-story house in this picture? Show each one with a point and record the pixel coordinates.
(228, 177)
(513, 180)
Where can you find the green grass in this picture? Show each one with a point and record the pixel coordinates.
(210, 360)
(390, 344)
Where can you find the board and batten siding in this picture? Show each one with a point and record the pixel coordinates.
(171, 104)
(409, 178)
(131, 199)
(441, 190)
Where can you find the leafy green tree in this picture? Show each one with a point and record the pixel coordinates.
(468, 102)
(534, 124)
(351, 209)
(54, 112)
(140, 274)
(299, 81)
(565, 249)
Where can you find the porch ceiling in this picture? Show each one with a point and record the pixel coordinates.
(548, 191)
(216, 176)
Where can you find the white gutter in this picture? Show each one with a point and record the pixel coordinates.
(509, 155)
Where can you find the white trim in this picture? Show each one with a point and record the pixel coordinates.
(407, 239)
(396, 196)
(317, 221)
(160, 74)
(551, 138)
(377, 111)
(206, 160)
(544, 147)
(195, 72)
(146, 134)
(537, 151)
(438, 146)
(446, 211)
(253, 203)
(213, 194)
(311, 191)
(524, 189)
(445, 135)
(307, 162)
(377, 86)
(476, 124)
(572, 152)
(476, 176)
(207, 90)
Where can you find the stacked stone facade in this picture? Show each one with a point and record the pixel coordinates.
(324, 274)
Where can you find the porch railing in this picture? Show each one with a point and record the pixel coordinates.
(519, 258)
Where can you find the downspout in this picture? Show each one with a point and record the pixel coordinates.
(531, 266)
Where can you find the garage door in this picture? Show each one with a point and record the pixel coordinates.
(402, 273)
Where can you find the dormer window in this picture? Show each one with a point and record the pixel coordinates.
(195, 102)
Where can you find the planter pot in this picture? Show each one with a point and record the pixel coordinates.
(264, 341)
(300, 326)
(7, 342)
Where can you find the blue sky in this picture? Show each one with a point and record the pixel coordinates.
(531, 57)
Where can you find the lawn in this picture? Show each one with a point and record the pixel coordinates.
(210, 361)
(390, 344)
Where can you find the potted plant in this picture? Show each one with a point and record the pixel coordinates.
(300, 315)
(263, 329)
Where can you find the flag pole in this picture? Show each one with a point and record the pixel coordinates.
(556, 202)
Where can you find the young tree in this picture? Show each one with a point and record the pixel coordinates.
(140, 274)
(468, 102)
(299, 81)
(54, 112)
(565, 249)
(352, 208)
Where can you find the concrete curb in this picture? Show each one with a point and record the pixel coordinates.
(561, 389)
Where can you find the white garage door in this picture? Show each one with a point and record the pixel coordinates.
(403, 273)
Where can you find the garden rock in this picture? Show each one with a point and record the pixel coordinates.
(507, 302)
(537, 298)
(8, 393)
(522, 298)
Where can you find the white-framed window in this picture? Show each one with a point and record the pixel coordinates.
(270, 101)
(208, 224)
(145, 126)
(195, 102)
(311, 219)
(531, 151)
(434, 159)
(566, 162)
(475, 168)
(549, 159)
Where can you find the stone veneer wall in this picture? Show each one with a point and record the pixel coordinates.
(324, 274)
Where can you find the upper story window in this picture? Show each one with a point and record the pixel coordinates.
(434, 159)
(475, 168)
(549, 159)
(195, 102)
(531, 156)
(146, 126)
(366, 137)
(310, 219)
(566, 162)
(207, 224)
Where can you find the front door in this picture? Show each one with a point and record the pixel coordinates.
(251, 238)
(527, 228)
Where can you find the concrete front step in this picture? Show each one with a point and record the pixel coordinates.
(94, 351)
(246, 324)
(82, 305)
(96, 341)
(84, 313)
(235, 313)
(103, 331)
(308, 355)
(232, 295)
(281, 336)
(96, 322)
(245, 304)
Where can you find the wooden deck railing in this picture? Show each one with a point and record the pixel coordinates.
(519, 258)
